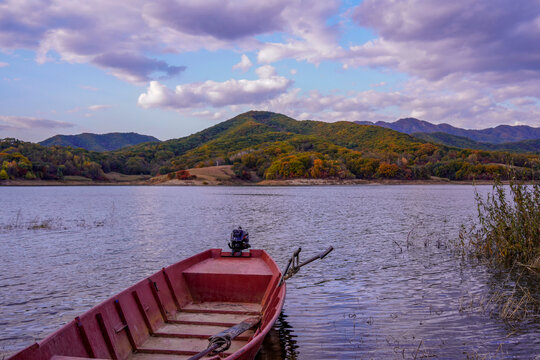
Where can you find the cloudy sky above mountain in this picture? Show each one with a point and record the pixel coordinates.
(168, 68)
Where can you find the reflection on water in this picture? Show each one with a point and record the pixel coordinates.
(392, 288)
(280, 343)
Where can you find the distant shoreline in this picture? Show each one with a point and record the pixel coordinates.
(223, 175)
(267, 183)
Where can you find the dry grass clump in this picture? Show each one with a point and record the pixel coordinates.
(507, 235)
(518, 307)
(508, 231)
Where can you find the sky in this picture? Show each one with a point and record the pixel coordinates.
(169, 68)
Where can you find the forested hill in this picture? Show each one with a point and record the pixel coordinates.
(99, 142)
(496, 135)
(266, 145)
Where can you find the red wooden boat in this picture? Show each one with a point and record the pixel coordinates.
(171, 314)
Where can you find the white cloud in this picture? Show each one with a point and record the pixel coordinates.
(216, 94)
(458, 102)
(469, 63)
(362, 105)
(215, 18)
(120, 37)
(451, 100)
(26, 122)
(266, 72)
(433, 39)
(244, 64)
(98, 107)
(3, 64)
(309, 38)
(207, 114)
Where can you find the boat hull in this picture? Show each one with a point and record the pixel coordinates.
(171, 314)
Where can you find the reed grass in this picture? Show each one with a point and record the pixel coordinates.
(19, 222)
(507, 236)
(508, 229)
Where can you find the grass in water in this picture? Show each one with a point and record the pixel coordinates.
(507, 235)
(508, 231)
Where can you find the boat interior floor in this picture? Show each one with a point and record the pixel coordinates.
(187, 332)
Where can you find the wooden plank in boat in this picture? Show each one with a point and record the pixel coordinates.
(177, 346)
(224, 308)
(227, 320)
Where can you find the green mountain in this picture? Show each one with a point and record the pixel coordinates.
(497, 135)
(529, 146)
(274, 146)
(257, 130)
(277, 146)
(99, 142)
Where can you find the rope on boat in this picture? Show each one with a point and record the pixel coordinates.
(219, 343)
(222, 341)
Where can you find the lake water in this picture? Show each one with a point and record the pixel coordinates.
(65, 249)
